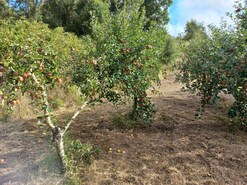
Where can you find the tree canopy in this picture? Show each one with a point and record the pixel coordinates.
(5, 11)
(154, 10)
(77, 15)
(194, 29)
(29, 9)
(74, 16)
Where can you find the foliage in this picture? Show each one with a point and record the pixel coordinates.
(241, 14)
(124, 61)
(32, 48)
(155, 11)
(123, 58)
(125, 122)
(193, 29)
(5, 11)
(82, 152)
(170, 51)
(56, 103)
(78, 154)
(217, 64)
(74, 16)
(30, 9)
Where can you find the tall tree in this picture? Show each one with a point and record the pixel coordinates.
(74, 15)
(29, 9)
(5, 11)
(156, 10)
(194, 29)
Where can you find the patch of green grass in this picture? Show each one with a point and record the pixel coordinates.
(56, 103)
(5, 114)
(78, 156)
(125, 122)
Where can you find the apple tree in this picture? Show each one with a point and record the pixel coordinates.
(34, 58)
(218, 64)
(125, 58)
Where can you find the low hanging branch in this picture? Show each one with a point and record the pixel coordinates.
(58, 133)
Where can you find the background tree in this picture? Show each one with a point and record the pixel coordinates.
(194, 29)
(74, 16)
(5, 11)
(170, 51)
(156, 11)
(30, 9)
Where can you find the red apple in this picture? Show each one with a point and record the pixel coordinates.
(59, 80)
(13, 102)
(49, 75)
(20, 79)
(25, 75)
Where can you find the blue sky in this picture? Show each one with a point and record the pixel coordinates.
(205, 11)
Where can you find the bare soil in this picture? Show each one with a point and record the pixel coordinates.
(26, 155)
(176, 148)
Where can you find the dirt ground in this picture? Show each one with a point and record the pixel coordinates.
(26, 155)
(176, 148)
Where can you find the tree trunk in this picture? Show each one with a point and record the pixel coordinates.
(58, 133)
(58, 139)
(133, 115)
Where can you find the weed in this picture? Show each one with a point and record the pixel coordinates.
(125, 122)
(56, 103)
(78, 155)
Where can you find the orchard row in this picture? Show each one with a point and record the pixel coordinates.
(217, 63)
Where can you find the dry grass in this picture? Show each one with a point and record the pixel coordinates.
(61, 96)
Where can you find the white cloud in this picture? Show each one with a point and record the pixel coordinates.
(175, 29)
(205, 11)
(206, 4)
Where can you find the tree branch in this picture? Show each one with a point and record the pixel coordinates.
(74, 116)
(44, 96)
